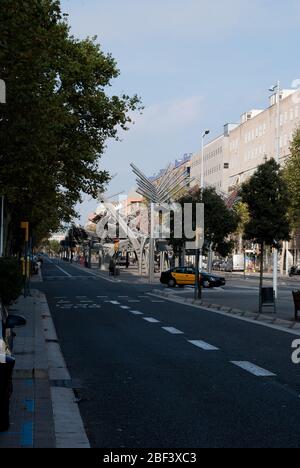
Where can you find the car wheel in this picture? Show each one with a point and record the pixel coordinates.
(172, 283)
(206, 284)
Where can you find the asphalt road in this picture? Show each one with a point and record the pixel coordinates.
(144, 384)
(244, 294)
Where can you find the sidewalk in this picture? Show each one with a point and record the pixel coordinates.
(44, 410)
(32, 424)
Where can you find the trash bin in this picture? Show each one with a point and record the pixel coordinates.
(268, 298)
(296, 297)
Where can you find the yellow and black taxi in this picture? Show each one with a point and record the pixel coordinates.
(185, 276)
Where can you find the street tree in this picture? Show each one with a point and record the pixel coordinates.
(267, 197)
(58, 117)
(241, 210)
(220, 222)
(292, 177)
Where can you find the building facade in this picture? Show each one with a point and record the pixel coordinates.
(233, 157)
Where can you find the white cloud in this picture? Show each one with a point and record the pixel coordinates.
(168, 117)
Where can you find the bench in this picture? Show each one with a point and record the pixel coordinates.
(296, 296)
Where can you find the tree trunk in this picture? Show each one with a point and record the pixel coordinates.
(261, 277)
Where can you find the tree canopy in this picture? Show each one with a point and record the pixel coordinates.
(292, 177)
(267, 197)
(58, 117)
(220, 222)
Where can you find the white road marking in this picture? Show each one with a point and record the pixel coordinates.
(124, 307)
(173, 331)
(114, 302)
(136, 312)
(253, 369)
(203, 345)
(151, 320)
(64, 271)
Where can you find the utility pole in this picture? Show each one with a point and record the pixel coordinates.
(277, 158)
(2, 101)
(199, 257)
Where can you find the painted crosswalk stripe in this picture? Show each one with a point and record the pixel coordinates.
(151, 320)
(203, 345)
(253, 369)
(173, 331)
(114, 302)
(124, 307)
(136, 312)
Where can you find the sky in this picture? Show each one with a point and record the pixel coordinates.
(196, 64)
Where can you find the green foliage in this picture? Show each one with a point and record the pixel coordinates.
(219, 221)
(54, 246)
(11, 280)
(242, 212)
(267, 197)
(292, 177)
(58, 116)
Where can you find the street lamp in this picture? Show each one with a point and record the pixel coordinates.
(199, 257)
(277, 158)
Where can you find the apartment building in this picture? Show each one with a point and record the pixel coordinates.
(179, 168)
(254, 140)
(215, 165)
(233, 157)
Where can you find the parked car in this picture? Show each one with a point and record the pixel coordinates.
(7, 362)
(185, 276)
(295, 271)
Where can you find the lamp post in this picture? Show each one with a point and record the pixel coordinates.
(2, 101)
(277, 158)
(199, 257)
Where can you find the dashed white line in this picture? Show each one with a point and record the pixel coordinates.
(114, 302)
(151, 320)
(124, 307)
(253, 369)
(173, 331)
(203, 345)
(136, 312)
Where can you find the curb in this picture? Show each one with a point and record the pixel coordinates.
(68, 424)
(260, 318)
